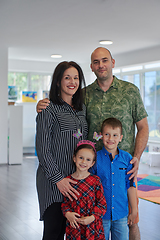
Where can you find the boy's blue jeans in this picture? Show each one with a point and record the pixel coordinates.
(119, 229)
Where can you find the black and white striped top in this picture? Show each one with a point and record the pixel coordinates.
(55, 145)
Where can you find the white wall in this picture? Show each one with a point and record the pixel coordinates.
(124, 59)
(136, 57)
(3, 103)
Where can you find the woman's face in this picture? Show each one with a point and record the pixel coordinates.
(69, 83)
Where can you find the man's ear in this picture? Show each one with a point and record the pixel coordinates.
(91, 67)
(113, 63)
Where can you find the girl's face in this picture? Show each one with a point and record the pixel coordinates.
(69, 83)
(84, 159)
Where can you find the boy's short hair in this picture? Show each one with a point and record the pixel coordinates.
(113, 122)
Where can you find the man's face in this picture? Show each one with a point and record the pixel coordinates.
(102, 64)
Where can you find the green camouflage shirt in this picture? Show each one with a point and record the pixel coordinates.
(122, 101)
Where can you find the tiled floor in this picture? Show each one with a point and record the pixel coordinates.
(19, 211)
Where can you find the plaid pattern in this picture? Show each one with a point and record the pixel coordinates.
(91, 201)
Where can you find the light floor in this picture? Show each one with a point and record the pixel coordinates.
(19, 213)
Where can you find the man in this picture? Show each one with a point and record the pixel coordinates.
(108, 97)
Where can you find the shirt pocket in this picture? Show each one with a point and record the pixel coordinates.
(122, 176)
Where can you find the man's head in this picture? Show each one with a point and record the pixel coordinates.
(102, 63)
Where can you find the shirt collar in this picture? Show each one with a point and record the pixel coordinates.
(114, 84)
(106, 152)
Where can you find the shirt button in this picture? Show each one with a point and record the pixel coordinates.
(112, 207)
(112, 172)
(113, 184)
(113, 195)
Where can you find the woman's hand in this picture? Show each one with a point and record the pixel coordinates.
(42, 104)
(72, 218)
(86, 220)
(66, 189)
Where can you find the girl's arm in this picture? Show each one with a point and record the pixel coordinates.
(133, 203)
(73, 219)
(67, 212)
(100, 205)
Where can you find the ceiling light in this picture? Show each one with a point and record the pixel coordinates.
(56, 56)
(105, 42)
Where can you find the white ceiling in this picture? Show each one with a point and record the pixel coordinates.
(35, 29)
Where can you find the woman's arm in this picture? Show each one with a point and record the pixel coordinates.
(46, 122)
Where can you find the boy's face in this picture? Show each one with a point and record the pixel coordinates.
(111, 138)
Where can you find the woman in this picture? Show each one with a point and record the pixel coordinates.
(56, 140)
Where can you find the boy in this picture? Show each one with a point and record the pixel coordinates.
(112, 166)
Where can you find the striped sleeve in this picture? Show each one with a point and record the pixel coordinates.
(45, 127)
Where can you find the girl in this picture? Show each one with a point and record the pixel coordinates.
(84, 215)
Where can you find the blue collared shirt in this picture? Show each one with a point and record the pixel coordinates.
(115, 181)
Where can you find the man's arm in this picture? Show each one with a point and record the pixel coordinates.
(42, 104)
(140, 144)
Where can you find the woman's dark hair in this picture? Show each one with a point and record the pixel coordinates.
(55, 89)
(88, 147)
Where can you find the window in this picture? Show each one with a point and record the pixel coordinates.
(152, 102)
(19, 80)
(29, 82)
(149, 85)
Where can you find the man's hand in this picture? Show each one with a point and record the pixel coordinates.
(134, 170)
(72, 218)
(86, 220)
(42, 104)
(66, 189)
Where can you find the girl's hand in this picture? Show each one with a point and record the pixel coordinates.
(72, 218)
(66, 189)
(86, 220)
(131, 218)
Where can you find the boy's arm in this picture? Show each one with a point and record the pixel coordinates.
(133, 203)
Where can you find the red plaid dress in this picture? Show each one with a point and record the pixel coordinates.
(91, 201)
